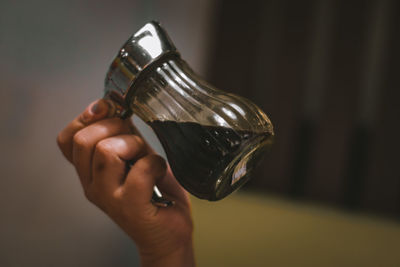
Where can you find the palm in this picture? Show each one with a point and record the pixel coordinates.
(169, 227)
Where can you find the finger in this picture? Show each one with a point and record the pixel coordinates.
(171, 188)
(109, 161)
(94, 112)
(144, 174)
(85, 140)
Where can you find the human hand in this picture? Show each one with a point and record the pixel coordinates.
(99, 148)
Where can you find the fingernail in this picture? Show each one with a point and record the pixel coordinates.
(98, 107)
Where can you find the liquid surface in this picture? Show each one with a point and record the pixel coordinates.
(210, 161)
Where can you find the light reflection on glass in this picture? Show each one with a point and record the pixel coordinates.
(238, 109)
(229, 113)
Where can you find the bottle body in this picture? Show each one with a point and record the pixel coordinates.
(213, 140)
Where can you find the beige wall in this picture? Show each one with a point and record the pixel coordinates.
(254, 230)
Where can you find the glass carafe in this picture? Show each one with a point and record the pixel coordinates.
(213, 140)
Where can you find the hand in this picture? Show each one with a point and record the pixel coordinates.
(99, 148)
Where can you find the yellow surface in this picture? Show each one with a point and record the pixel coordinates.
(251, 230)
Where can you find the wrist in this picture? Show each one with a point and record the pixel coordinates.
(182, 256)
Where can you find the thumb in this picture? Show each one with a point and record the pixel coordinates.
(142, 177)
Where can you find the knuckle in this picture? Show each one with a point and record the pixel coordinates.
(146, 164)
(84, 117)
(89, 194)
(80, 140)
(103, 151)
(117, 194)
(60, 140)
(104, 148)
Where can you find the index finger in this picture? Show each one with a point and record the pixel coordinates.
(96, 111)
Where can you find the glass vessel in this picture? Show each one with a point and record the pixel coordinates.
(213, 140)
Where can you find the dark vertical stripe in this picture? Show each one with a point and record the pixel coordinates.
(315, 86)
(265, 72)
(383, 180)
(281, 91)
(235, 37)
(337, 117)
(361, 139)
(304, 142)
(356, 169)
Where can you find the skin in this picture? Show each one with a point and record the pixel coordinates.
(98, 146)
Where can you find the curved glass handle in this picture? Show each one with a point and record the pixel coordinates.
(158, 200)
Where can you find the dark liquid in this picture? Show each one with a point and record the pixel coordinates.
(203, 158)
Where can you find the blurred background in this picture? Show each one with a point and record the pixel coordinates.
(326, 72)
